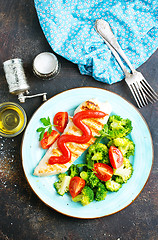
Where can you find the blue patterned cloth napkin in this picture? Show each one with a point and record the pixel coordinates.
(68, 26)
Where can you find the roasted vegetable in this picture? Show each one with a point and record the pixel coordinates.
(116, 127)
(100, 192)
(113, 186)
(125, 172)
(125, 145)
(73, 171)
(62, 186)
(85, 197)
(97, 152)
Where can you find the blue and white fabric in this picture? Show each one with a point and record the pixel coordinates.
(68, 26)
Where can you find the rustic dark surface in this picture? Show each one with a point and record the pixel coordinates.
(23, 215)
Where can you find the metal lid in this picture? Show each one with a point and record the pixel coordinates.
(46, 65)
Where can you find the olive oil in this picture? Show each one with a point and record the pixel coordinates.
(12, 119)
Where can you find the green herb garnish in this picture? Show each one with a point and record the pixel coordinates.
(48, 126)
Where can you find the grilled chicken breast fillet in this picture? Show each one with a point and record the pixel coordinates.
(95, 124)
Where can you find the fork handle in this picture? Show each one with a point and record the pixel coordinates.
(104, 29)
(116, 55)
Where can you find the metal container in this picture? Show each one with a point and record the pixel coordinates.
(15, 76)
(46, 66)
(16, 80)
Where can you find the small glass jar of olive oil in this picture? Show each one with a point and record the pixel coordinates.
(12, 119)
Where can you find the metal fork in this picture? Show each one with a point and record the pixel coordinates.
(140, 88)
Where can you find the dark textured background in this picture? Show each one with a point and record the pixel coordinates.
(22, 214)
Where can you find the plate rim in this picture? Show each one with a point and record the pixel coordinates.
(71, 215)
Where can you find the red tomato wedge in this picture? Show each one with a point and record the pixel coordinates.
(116, 157)
(103, 171)
(49, 139)
(60, 121)
(76, 185)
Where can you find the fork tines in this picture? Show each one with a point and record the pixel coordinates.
(138, 94)
(151, 95)
(142, 92)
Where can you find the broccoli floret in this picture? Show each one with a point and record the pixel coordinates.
(85, 197)
(124, 172)
(97, 156)
(73, 171)
(62, 186)
(61, 176)
(97, 152)
(126, 162)
(113, 186)
(125, 145)
(116, 127)
(118, 179)
(101, 192)
(84, 175)
(90, 178)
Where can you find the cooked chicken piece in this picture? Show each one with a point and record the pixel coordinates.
(95, 124)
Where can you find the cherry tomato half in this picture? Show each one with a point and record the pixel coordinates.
(116, 157)
(60, 121)
(49, 139)
(76, 185)
(103, 171)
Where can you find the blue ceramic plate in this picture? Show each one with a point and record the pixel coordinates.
(114, 202)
